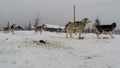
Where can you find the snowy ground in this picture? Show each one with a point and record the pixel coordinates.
(23, 50)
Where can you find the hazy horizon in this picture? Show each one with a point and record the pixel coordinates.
(58, 12)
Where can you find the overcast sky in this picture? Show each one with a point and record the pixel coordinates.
(58, 12)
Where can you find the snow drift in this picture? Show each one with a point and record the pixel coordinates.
(23, 50)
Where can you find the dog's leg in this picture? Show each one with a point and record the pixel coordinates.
(71, 34)
(41, 31)
(35, 32)
(111, 34)
(66, 34)
(75, 33)
(98, 35)
(7, 31)
(79, 35)
(12, 31)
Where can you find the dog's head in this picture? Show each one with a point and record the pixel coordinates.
(42, 41)
(86, 20)
(14, 25)
(44, 26)
(113, 24)
(67, 24)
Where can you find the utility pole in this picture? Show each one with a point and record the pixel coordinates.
(74, 13)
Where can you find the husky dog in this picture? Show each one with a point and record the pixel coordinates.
(106, 29)
(40, 28)
(77, 27)
(58, 30)
(6, 30)
(10, 29)
(42, 41)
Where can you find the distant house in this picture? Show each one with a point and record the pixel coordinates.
(117, 31)
(53, 28)
(19, 28)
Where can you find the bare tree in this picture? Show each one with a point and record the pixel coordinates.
(37, 19)
(29, 27)
(97, 21)
(8, 24)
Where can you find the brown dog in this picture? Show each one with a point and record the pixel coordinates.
(77, 27)
(10, 29)
(58, 30)
(6, 30)
(40, 28)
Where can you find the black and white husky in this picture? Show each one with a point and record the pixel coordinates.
(106, 29)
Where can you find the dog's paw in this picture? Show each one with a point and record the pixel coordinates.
(81, 38)
(105, 38)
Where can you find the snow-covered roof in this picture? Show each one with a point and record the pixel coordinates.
(53, 26)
